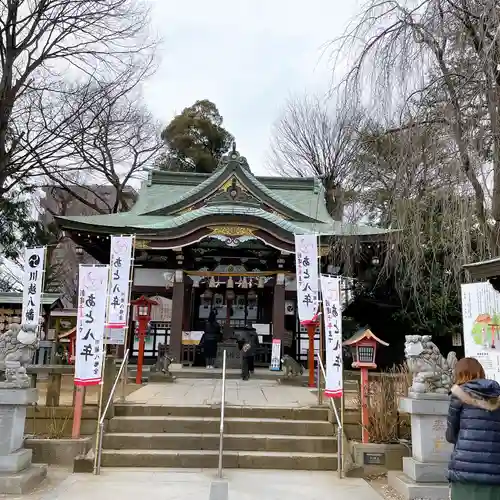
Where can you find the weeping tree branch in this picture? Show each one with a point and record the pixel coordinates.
(433, 66)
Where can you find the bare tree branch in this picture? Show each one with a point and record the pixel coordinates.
(50, 52)
(312, 139)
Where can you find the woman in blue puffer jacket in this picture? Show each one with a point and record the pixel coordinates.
(474, 429)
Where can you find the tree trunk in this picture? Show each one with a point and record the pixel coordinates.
(334, 200)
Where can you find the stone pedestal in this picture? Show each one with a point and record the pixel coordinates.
(17, 474)
(424, 473)
(233, 355)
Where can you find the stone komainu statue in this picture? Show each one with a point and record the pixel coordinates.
(164, 360)
(431, 372)
(291, 367)
(17, 348)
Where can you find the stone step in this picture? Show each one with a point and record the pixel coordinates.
(136, 410)
(208, 459)
(210, 425)
(232, 442)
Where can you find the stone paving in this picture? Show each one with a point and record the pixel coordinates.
(196, 484)
(256, 392)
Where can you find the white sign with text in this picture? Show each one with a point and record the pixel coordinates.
(332, 317)
(34, 268)
(306, 264)
(276, 355)
(90, 325)
(119, 287)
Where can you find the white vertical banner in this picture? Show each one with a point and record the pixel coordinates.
(481, 322)
(306, 265)
(91, 320)
(276, 355)
(34, 268)
(119, 286)
(332, 317)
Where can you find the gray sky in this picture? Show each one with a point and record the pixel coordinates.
(247, 56)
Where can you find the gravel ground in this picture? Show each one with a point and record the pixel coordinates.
(379, 484)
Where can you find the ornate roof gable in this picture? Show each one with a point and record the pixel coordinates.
(232, 183)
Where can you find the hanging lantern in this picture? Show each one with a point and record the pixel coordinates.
(230, 295)
(230, 282)
(244, 282)
(208, 294)
(212, 283)
(262, 282)
(252, 295)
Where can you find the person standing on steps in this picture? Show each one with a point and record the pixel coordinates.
(211, 337)
(250, 343)
(474, 428)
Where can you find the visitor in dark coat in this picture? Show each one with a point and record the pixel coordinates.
(210, 339)
(474, 429)
(250, 342)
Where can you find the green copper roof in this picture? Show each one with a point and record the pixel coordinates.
(145, 223)
(186, 189)
(159, 222)
(172, 199)
(306, 197)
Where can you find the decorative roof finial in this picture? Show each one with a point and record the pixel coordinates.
(234, 147)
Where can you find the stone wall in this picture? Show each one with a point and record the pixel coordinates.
(57, 422)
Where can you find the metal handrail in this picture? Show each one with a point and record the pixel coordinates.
(97, 469)
(340, 432)
(222, 408)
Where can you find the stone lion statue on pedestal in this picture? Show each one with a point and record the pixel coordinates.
(17, 348)
(431, 372)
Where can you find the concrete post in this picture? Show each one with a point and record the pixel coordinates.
(17, 474)
(110, 372)
(424, 472)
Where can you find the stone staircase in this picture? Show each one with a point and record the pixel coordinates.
(188, 436)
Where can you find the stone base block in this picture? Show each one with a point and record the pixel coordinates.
(411, 490)
(424, 472)
(16, 461)
(19, 483)
(379, 457)
(57, 451)
(83, 465)
(18, 397)
(160, 377)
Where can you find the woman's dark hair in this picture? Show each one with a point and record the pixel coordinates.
(468, 369)
(212, 316)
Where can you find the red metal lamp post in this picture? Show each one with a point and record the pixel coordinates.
(143, 307)
(311, 325)
(363, 345)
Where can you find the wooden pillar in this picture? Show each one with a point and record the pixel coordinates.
(279, 308)
(178, 296)
(188, 306)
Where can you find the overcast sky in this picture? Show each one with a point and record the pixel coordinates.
(247, 56)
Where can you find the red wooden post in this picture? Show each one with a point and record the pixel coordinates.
(143, 324)
(364, 404)
(143, 313)
(77, 415)
(364, 347)
(311, 326)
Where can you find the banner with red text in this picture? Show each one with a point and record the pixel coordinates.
(90, 323)
(119, 287)
(332, 317)
(306, 266)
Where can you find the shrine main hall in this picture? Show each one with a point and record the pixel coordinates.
(222, 241)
